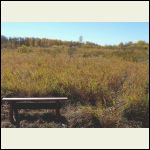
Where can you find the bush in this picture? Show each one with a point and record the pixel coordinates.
(93, 54)
(139, 112)
(82, 117)
(24, 49)
(71, 50)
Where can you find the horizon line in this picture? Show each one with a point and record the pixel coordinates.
(83, 42)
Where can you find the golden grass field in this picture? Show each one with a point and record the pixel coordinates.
(106, 87)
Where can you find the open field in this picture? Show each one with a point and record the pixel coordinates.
(106, 87)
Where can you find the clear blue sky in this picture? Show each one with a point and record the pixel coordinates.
(97, 32)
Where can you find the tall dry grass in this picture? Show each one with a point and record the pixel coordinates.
(100, 81)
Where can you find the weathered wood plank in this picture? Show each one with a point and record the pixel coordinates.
(36, 99)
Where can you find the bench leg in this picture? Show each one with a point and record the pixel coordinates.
(58, 109)
(11, 113)
(16, 114)
(57, 112)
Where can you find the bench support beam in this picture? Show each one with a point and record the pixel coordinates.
(14, 107)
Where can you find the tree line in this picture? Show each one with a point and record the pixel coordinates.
(44, 42)
(32, 42)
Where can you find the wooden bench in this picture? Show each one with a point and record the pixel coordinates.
(33, 103)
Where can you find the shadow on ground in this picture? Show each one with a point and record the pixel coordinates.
(41, 120)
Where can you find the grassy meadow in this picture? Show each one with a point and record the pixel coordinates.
(107, 87)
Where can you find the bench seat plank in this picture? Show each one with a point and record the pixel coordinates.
(36, 99)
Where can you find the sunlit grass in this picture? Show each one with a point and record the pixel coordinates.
(101, 78)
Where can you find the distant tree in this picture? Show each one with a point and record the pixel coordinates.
(129, 43)
(142, 45)
(91, 44)
(121, 45)
(141, 42)
(80, 39)
(4, 41)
